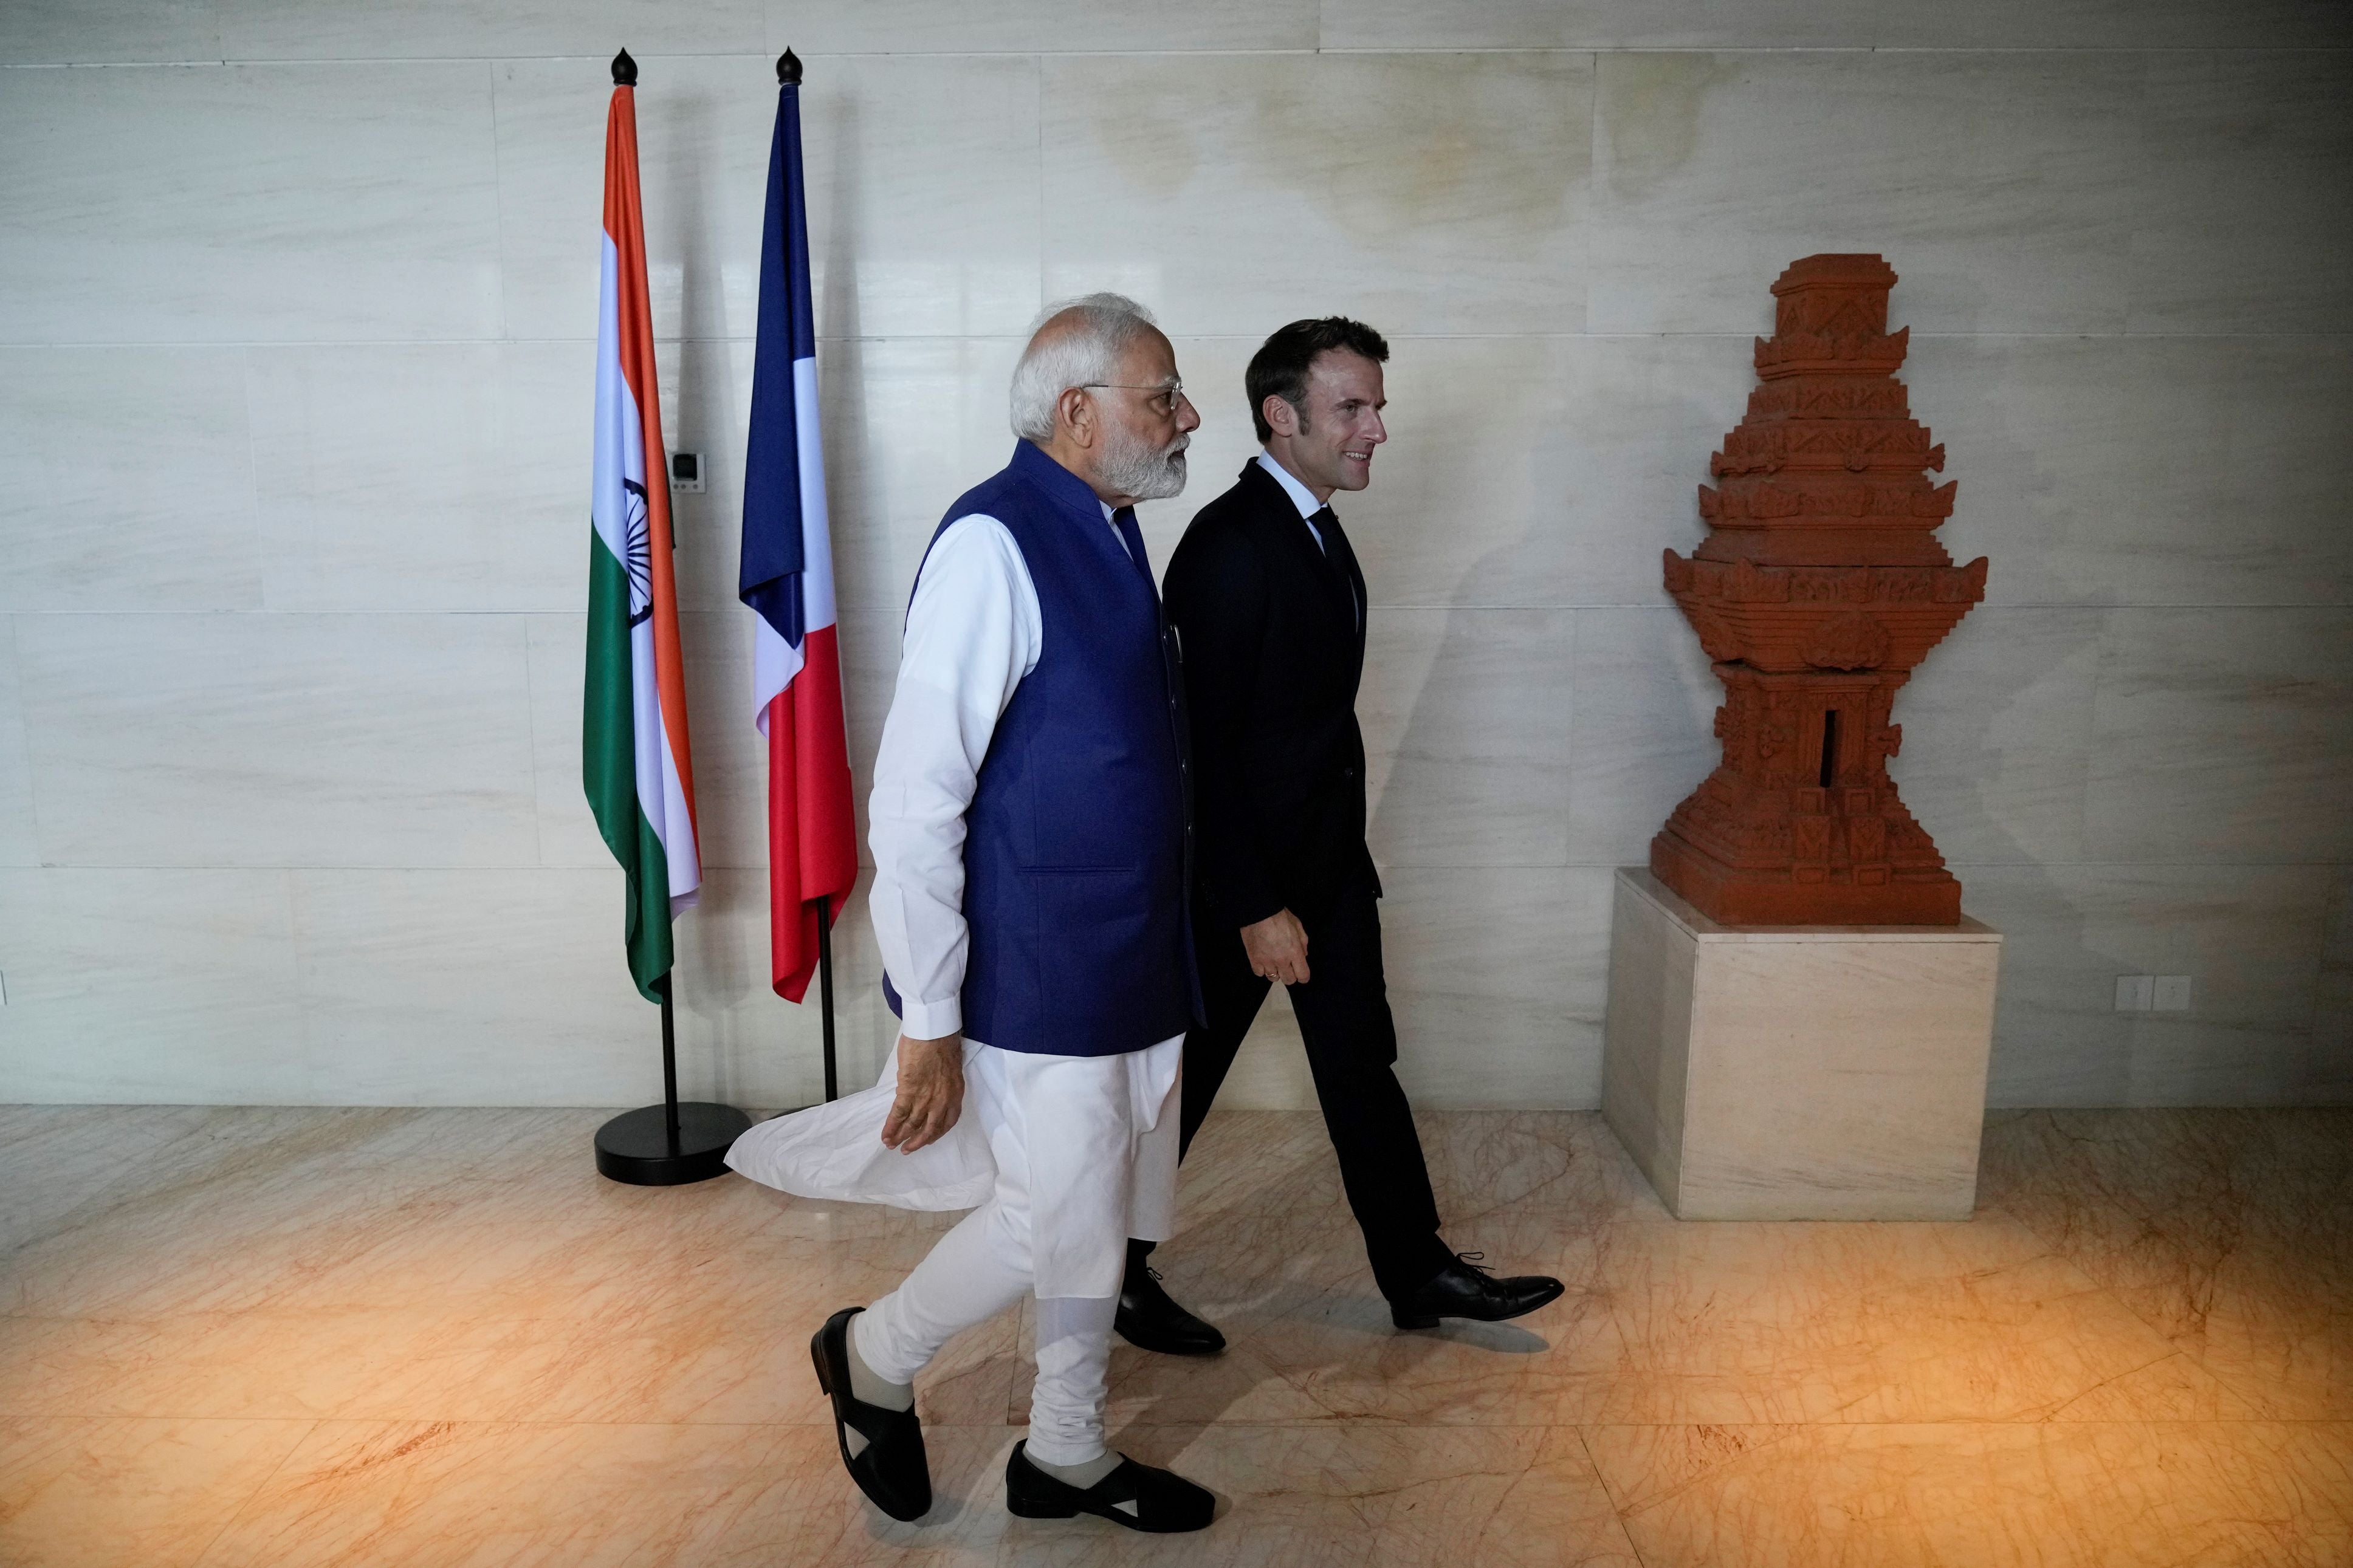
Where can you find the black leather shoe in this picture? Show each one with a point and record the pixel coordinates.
(1464, 1290)
(891, 1468)
(1160, 1502)
(1150, 1319)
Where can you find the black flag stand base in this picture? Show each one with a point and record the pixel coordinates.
(637, 1146)
(669, 1144)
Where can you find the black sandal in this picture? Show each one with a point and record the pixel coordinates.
(1160, 1502)
(892, 1470)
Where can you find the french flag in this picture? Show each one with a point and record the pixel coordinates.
(787, 580)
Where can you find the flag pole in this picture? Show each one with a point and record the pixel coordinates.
(824, 990)
(786, 580)
(674, 1142)
(669, 1067)
(788, 74)
(677, 1141)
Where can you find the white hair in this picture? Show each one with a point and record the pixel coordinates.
(1107, 324)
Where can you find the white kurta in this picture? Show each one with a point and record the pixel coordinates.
(1096, 1113)
(974, 632)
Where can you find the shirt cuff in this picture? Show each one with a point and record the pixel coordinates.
(930, 1020)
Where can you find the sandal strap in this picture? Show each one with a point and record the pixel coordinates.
(875, 1424)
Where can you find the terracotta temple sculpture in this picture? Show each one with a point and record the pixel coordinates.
(1819, 586)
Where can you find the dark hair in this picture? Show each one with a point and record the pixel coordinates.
(1279, 367)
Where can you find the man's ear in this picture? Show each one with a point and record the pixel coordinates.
(1076, 411)
(1282, 419)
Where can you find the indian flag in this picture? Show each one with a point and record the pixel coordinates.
(634, 757)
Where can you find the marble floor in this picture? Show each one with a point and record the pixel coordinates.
(271, 1338)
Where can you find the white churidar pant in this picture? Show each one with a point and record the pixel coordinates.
(1072, 1155)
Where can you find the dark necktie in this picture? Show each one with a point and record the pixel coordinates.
(1342, 560)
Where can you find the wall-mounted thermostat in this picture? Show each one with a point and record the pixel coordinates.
(686, 471)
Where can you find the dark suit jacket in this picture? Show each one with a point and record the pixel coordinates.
(1273, 647)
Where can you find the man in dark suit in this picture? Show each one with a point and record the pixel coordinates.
(1269, 610)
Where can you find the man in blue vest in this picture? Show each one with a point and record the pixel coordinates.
(1031, 847)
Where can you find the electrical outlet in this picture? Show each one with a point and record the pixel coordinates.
(2171, 994)
(686, 472)
(2135, 993)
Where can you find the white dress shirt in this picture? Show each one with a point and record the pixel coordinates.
(1301, 496)
(1304, 500)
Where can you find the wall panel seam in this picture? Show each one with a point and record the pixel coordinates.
(1337, 51)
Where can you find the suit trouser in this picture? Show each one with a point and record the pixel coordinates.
(1351, 1040)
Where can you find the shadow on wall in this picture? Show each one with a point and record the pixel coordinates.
(737, 1020)
(1497, 918)
(2052, 1046)
(2261, 1030)
(866, 1028)
(2056, 1039)
(715, 976)
(2003, 762)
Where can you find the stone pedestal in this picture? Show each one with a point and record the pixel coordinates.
(1797, 1072)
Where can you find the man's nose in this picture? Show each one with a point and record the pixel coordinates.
(1189, 419)
(1378, 433)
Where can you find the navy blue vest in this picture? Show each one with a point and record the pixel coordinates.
(1076, 849)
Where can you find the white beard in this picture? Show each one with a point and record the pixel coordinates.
(1142, 470)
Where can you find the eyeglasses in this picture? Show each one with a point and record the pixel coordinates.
(1163, 402)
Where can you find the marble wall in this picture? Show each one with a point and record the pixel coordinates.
(294, 396)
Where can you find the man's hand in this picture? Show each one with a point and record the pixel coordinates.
(1277, 946)
(930, 1093)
